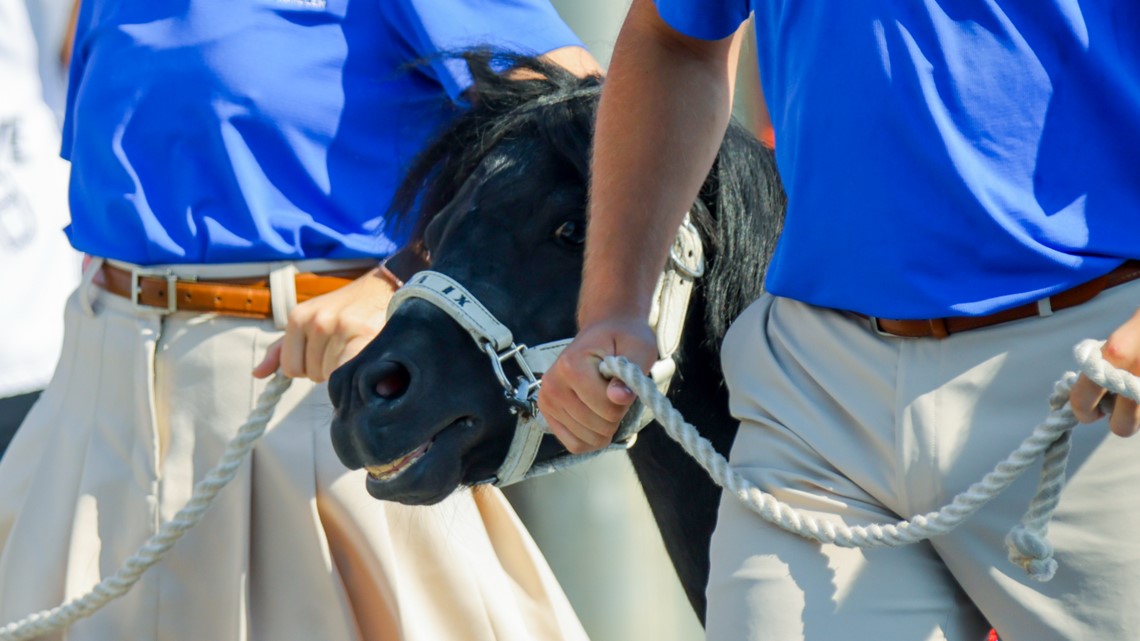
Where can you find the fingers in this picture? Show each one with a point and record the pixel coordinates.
(592, 392)
(569, 440)
(351, 348)
(579, 427)
(270, 363)
(308, 336)
(324, 332)
(317, 339)
(1125, 419)
(324, 335)
(582, 408)
(618, 392)
(293, 349)
(1121, 350)
(1085, 400)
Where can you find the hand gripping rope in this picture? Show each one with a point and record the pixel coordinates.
(1026, 542)
(156, 546)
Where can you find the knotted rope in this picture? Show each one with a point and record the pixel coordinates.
(156, 546)
(1026, 542)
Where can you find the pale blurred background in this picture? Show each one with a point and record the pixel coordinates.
(592, 521)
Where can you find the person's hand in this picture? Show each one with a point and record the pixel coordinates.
(1122, 349)
(325, 332)
(582, 408)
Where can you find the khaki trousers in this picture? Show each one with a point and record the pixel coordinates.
(294, 549)
(851, 425)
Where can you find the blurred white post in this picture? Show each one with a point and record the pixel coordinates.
(592, 522)
(594, 526)
(596, 22)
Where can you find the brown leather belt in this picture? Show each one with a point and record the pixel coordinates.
(248, 297)
(943, 327)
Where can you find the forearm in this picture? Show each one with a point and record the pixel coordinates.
(663, 113)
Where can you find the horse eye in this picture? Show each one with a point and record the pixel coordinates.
(571, 233)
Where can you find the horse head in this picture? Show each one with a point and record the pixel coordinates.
(420, 407)
(501, 198)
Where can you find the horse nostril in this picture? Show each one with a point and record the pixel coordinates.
(392, 380)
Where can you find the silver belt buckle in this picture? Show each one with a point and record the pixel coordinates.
(171, 290)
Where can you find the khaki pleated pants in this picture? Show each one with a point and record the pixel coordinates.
(294, 549)
(849, 425)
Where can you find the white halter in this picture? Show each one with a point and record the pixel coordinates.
(667, 318)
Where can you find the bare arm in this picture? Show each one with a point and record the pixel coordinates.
(663, 112)
(68, 44)
(664, 109)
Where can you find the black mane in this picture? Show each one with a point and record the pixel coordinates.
(542, 100)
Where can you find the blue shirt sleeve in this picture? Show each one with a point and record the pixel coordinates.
(704, 19)
(530, 27)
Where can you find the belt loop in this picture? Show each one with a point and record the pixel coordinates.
(87, 284)
(938, 328)
(878, 329)
(283, 293)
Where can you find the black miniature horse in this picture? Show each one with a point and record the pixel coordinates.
(500, 202)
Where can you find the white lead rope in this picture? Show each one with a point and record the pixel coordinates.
(156, 546)
(1026, 542)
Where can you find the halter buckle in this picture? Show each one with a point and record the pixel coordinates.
(680, 252)
(522, 394)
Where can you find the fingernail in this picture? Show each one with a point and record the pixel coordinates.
(620, 385)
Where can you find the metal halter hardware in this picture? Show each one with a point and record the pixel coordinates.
(497, 342)
(692, 266)
(523, 394)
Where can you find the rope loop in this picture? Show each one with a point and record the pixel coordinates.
(1026, 542)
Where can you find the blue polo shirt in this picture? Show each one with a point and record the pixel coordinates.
(212, 132)
(945, 157)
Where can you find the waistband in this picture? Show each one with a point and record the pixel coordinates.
(249, 290)
(943, 327)
(228, 271)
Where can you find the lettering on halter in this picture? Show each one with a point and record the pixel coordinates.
(461, 300)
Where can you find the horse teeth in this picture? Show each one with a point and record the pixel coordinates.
(392, 469)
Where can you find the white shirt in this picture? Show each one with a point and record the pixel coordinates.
(38, 268)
